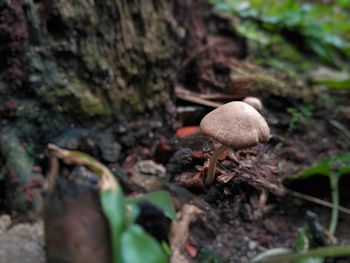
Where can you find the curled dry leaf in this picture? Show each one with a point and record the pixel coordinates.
(179, 233)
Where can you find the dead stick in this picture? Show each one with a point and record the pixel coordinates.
(318, 201)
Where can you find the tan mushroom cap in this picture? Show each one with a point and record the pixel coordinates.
(254, 102)
(236, 124)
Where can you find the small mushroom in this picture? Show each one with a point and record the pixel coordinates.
(254, 102)
(235, 124)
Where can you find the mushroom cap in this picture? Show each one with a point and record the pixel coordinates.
(254, 102)
(236, 124)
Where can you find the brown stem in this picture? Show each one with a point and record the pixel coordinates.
(212, 164)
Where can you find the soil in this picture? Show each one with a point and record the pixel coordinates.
(243, 226)
(236, 225)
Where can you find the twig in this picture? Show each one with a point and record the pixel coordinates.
(341, 128)
(318, 201)
(219, 96)
(183, 94)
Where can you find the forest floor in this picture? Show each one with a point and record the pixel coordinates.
(255, 203)
(243, 219)
(248, 209)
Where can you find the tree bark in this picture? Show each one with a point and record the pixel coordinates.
(87, 62)
(101, 66)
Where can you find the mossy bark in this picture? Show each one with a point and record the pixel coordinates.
(86, 61)
(97, 65)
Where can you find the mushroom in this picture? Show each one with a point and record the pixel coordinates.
(235, 124)
(254, 102)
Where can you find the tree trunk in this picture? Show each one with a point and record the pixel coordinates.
(87, 62)
(97, 65)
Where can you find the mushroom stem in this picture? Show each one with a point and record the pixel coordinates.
(212, 164)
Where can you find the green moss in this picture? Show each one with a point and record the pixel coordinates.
(83, 100)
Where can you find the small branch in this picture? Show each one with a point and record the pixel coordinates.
(318, 201)
(183, 94)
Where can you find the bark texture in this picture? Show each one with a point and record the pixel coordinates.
(105, 67)
(86, 61)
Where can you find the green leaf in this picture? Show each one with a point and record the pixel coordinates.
(339, 163)
(130, 243)
(335, 83)
(333, 167)
(113, 207)
(325, 52)
(162, 200)
(303, 244)
(139, 247)
(322, 29)
(166, 248)
(133, 210)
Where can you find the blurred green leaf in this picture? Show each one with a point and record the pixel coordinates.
(130, 243)
(133, 210)
(303, 244)
(333, 167)
(139, 247)
(321, 28)
(334, 83)
(339, 163)
(114, 208)
(251, 31)
(166, 248)
(162, 200)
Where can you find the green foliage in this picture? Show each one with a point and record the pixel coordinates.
(322, 29)
(113, 206)
(335, 83)
(160, 199)
(334, 167)
(339, 164)
(130, 243)
(303, 244)
(139, 247)
(300, 115)
(166, 248)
